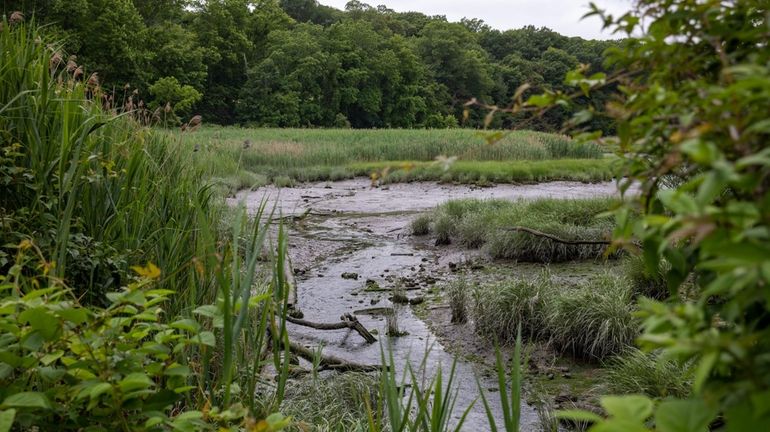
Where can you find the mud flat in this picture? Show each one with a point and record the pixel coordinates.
(349, 228)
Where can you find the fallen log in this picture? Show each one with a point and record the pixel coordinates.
(348, 322)
(557, 239)
(328, 362)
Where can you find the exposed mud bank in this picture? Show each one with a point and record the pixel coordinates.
(351, 249)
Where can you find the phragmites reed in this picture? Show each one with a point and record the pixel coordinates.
(78, 72)
(71, 65)
(16, 17)
(167, 108)
(93, 80)
(193, 124)
(56, 60)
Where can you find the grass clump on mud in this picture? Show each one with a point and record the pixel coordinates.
(638, 372)
(593, 319)
(330, 403)
(475, 223)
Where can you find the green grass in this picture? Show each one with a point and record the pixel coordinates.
(637, 372)
(500, 309)
(331, 403)
(476, 223)
(406, 155)
(593, 319)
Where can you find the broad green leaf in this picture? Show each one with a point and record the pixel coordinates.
(205, 338)
(6, 419)
(99, 389)
(135, 381)
(41, 320)
(30, 400)
(633, 408)
(210, 311)
(684, 416)
(186, 324)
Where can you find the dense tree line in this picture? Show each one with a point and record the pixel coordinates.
(296, 63)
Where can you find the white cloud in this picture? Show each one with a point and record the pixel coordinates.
(562, 16)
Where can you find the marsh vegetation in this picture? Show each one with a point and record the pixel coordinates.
(154, 279)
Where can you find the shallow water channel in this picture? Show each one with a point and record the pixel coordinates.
(354, 228)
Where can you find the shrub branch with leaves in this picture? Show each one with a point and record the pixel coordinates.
(693, 122)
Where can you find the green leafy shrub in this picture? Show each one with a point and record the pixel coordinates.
(704, 67)
(173, 100)
(68, 367)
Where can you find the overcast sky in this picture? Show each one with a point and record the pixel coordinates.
(560, 15)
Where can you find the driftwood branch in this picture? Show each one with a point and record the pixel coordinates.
(328, 362)
(557, 239)
(348, 322)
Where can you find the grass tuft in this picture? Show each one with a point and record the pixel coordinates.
(420, 226)
(596, 320)
(332, 403)
(486, 223)
(637, 372)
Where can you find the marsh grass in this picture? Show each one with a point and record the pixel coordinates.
(596, 320)
(503, 309)
(330, 403)
(401, 155)
(458, 292)
(291, 148)
(644, 282)
(637, 372)
(593, 319)
(483, 223)
(420, 225)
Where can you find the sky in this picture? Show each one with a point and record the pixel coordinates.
(562, 16)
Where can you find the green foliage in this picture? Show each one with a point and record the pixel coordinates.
(90, 194)
(299, 63)
(95, 367)
(704, 203)
(174, 99)
(95, 192)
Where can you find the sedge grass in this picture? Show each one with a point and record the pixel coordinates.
(593, 319)
(637, 372)
(485, 223)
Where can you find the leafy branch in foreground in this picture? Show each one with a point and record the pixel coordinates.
(693, 127)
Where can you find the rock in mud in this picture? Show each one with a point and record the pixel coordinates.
(350, 275)
(372, 285)
(399, 299)
(416, 300)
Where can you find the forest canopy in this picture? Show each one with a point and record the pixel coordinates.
(296, 63)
